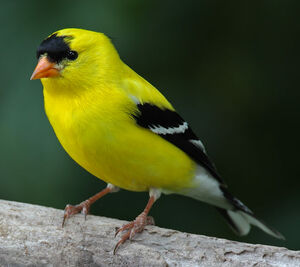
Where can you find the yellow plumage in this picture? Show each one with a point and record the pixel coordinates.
(121, 129)
(91, 120)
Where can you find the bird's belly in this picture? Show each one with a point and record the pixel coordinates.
(126, 156)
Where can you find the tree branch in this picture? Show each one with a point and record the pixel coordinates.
(32, 235)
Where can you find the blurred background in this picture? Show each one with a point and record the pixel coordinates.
(229, 67)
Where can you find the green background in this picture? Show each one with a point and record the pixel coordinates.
(229, 67)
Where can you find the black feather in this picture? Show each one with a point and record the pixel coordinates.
(56, 48)
(236, 203)
(150, 116)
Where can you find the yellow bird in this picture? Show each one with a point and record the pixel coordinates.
(121, 129)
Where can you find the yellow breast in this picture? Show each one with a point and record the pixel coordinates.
(100, 135)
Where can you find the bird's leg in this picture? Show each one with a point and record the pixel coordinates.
(84, 206)
(140, 221)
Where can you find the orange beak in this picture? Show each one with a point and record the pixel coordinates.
(44, 69)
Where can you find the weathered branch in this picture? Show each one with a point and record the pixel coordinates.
(32, 235)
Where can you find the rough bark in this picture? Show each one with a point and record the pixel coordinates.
(32, 235)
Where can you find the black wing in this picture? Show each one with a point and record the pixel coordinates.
(172, 127)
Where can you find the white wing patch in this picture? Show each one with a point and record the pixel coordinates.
(172, 130)
(198, 143)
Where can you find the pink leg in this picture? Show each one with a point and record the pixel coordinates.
(137, 225)
(84, 206)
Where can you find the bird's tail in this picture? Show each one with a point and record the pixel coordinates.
(241, 218)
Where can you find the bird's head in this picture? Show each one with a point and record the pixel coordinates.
(75, 56)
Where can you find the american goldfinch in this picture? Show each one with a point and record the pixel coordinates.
(121, 129)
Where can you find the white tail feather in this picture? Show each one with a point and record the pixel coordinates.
(241, 222)
(252, 220)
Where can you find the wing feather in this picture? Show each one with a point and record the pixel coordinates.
(172, 127)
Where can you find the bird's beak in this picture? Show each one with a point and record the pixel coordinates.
(44, 69)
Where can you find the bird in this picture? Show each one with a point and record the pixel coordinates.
(122, 130)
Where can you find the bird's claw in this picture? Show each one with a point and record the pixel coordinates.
(70, 210)
(133, 227)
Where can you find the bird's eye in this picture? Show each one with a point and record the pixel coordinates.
(72, 55)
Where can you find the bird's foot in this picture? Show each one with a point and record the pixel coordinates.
(84, 207)
(70, 210)
(136, 226)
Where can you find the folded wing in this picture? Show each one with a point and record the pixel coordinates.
(172, 127)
